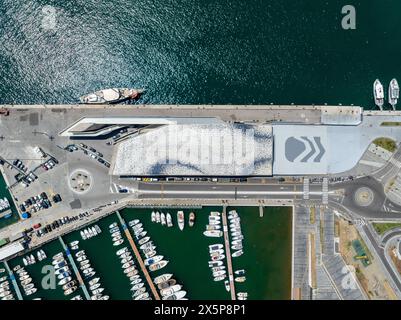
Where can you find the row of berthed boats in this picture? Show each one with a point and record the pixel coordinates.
(165, 219)
(25, 280)
(5, 290)
(168, 287)
(86, 269)
(90, 232)
(138, 288)
(236, 234)
(65, 277)
(30, 258)
(393, 93)
(213, 228)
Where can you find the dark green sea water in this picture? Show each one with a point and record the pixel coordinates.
(198, 51)
(4, 193)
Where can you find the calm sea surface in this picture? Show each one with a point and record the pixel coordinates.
(198, 51)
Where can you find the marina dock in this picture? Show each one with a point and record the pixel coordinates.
(14, 282)
(138, 257)
(76, 271)
(228, 254)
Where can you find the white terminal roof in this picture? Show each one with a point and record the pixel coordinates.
(10, 249)
(219, 149)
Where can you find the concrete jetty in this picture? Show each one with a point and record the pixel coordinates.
(13, 281)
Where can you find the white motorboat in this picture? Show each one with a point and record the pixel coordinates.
(169, 220)
(227, 285)
(158, 265)
(163, 219)
(82, 258)
(117, 243)
(94, 281)
(153, 260)
(31, 291)
(157, 217)
(170, 290)
(176, 296)
(80, 253)
(133, 222)
(237, 253)
(113, 225)
(153, 216)
(137, 286)
(139, 292)
(132, 274)
(143, 240)
(129, 269)
(213, 233)
(219, 278)
(219, 273)
(378, 93)
(135, 281)
(216, 246)
(125, 260)
(121, 251)
(111, 96)
(240, 279)
(181, 220)
(88, 270)
(162, 278)
(128, 264)
(393, 93)
(98, 291)
(64, 281)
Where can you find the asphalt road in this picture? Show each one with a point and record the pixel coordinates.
(380, 252)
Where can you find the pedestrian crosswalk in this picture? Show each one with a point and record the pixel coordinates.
(306, 189)
(325, 190)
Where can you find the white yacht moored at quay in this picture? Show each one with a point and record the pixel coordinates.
(109, 96)
(378, 93)
(393, 93)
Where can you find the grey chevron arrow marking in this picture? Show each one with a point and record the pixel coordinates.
(311, 153)
(321, 148)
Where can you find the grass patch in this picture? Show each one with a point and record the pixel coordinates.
(381, 228)
(386, 143)
(390, 124)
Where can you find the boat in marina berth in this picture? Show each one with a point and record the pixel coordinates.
(110, 96)
(166, 284)
(181, 220)
(240, 272)
(162, 278)
(237, 253)
(215, 214)
(121, 251)
(117, 243)
(219, 278)
(113, 225)
(157, 217)
(94, 281)
(240, 279)
(153, 260)
(170, 290)
(378, 93)
(139, 292)
(153, 216)
(216, 246)
(143, 240)
(158, 265)
(191, 220)
(163, 219)
(227, 285)
(393, 93)
(176, 296)
(169, 220)
(133, 222)
(213, 233)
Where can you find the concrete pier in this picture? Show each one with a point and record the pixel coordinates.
(13, 281)
(138, 257)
